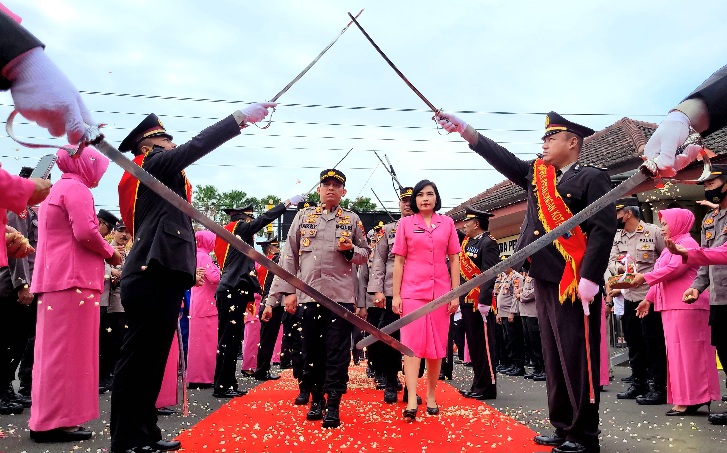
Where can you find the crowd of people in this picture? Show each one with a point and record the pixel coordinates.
(108, 291)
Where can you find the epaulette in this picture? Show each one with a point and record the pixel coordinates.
(592, 166)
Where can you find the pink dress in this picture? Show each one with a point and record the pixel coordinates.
(169, 393)
(605, 376)
(691, 367)
(68, 278)
(251, 339)
(202, 349)
(426, 277)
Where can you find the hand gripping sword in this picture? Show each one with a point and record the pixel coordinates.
(647, 170)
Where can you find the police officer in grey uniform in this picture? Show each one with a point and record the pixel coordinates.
(714, 234)
(381, 286)
(508, 316)
(324, 242)
(529, 317)
(642, 243)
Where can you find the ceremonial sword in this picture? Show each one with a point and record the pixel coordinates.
(647, 170)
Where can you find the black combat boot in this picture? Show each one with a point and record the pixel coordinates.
(332, 419)
(317, 406)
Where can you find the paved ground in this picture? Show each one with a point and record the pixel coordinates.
(626, 426)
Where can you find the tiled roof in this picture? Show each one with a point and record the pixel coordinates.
(617, 148)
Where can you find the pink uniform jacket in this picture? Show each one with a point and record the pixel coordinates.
(671, 277)
(707, 257)
(14, 194)
(202, 303)
(426, 272)
(70, 249)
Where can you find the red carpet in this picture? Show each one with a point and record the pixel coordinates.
(265, 420)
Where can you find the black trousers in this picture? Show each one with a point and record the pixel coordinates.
(152, 300)
(458, 330)
(18, 326)
(635, 341)
(231, 304)
(718, 321)
(326, 349)
(532, 333)
(390, 357)
(652, 330)
(268, 336)
(515, 341)
(562, 328)
(356, 336)
(292, 344)
(474, 327)
(373, 352)
(503, 358)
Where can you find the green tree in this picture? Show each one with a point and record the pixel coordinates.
(363, 204)
(206, 199)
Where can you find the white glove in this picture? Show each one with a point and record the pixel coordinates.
(587, 290)
(483, 309)
(43, 94)
(296, 199)
(688, 156)
(669, 136)
(451, 123)
(257, 112)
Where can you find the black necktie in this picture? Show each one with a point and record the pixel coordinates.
(558, 173)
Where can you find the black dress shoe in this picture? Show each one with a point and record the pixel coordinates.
(8, 407)
(472, 395)
(332, 418)
(690, 410)
(230, 393)
(166, 445)
(266, 376)
(575, 447)
(60, 435)
(199, 385)
(302, 398)
(634, 391)
(551, 441)
(316, 410)
(529, 375)
(628, 379)
(718, 419)
(539, 377)
(165, 411)
(724, 397)
(433, 410)
(653, 398)
(410, 415)
(515, 371)
(390, 395)
(23, 400)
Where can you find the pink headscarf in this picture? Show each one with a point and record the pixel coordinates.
(679, 220)
(205, 241)
(90, 166)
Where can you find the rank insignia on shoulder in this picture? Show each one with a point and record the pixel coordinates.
(724, 231)
(708, 235)
(305, 242)
(708, 221)
(640, 228)
(319, 209)
(492, 237)
(339, 213)
(647, 233)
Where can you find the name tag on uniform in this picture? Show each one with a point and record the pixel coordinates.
(418, 230)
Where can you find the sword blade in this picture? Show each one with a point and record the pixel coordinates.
(315, 60)
(178, 202)
(393, 66)
(518, 257)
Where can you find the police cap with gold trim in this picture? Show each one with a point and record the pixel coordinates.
(406, 192)
(150, 126)
(555, 123)
(333, 173)
(627, 201)
(472, 213)
(247, 210)
(717, 171)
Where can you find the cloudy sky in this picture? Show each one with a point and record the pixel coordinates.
(506, 63)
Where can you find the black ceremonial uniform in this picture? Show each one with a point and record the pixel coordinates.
(14, 41)
(237, 288)
(713, 92)
(157, 271)
(268, 330)
(484, 253)
(562, 325)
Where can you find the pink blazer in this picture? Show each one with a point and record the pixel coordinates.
(202, 303)
(670, 278)
(426, 272)
(71, 251)
(14, 194)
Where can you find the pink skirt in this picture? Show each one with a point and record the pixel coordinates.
(65, 368)
(250, 344)
(691, 361)
(278, 346)
(202, 350)
(427, 336)
(169, 394)
(605, 372)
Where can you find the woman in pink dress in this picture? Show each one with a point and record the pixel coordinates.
(251, 337)
(68, 279)
(692, 379)
(203, 316)
(423, 243)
